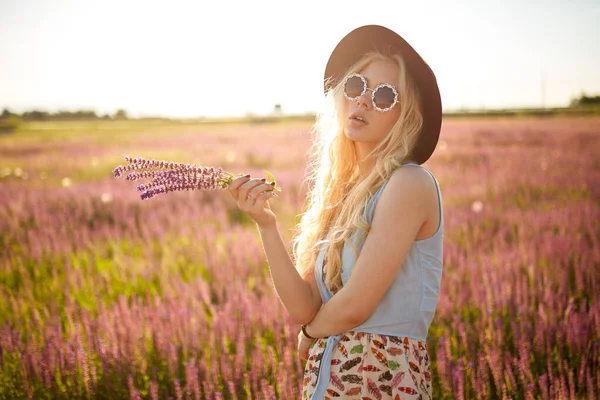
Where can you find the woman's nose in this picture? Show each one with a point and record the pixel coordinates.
(364, 101)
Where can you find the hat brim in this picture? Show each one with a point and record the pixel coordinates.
(375, 37)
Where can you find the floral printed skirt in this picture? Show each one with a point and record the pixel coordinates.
(371, 366)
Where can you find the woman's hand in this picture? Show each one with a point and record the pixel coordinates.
(304, 344)
(251, 196)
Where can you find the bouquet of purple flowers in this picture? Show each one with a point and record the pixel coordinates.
(169, 176)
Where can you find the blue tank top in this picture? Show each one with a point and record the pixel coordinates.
(408, 307)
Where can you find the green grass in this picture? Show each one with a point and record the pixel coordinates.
(97, 276)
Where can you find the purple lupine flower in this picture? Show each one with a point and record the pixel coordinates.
(232, 391)
(191, 379)
(264, 391)
(153, 390)
(133, 393)
(178, 391)
(180, 176)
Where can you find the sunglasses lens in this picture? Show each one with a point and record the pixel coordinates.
(384, 97)
(354, 87)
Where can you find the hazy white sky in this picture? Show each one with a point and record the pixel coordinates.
(200, 58)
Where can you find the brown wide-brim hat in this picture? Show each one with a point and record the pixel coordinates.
(375, 37)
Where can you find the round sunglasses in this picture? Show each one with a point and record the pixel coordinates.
(384, 96)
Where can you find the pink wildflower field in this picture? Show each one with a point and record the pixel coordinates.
(106, 296)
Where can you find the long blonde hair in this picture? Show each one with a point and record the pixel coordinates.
(337, 197)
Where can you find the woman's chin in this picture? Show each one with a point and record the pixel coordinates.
(357, 135)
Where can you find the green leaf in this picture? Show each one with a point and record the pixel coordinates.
(270, 175)
(272, 178)
(393, 365)
(356, 349)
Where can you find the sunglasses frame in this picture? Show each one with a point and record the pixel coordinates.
(365, 88)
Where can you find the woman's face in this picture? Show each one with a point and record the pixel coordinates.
(375, 125)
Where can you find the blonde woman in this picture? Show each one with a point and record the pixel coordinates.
(365, 282)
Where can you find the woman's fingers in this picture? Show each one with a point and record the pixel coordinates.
(251, 193)
(260, 190)
(304, 355)
(242, 185)
(267, 195)
(303, 347)
(245, 188)
(235, 185)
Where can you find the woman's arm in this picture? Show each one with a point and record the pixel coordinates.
(297, 295)
(400, 213)
(334, 317)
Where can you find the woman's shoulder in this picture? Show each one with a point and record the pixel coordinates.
(407, 184)
(411, 186)
(411, 177)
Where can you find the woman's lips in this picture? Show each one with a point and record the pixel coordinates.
(355, 123)
(357, 120)
(359, 117)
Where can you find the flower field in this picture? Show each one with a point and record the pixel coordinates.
(106, 296)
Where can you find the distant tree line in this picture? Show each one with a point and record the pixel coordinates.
(584, 100)
(10, 121)
(36, 115)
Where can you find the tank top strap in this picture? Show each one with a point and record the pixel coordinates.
(370, 209)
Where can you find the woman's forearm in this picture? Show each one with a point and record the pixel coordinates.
(293, 291)
(335, 317)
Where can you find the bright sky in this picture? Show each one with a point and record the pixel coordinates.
(213, 58)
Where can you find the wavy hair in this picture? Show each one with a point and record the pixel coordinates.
(337, 196)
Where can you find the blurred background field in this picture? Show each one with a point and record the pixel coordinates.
(106, 296)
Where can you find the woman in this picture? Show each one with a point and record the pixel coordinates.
(368, 267)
